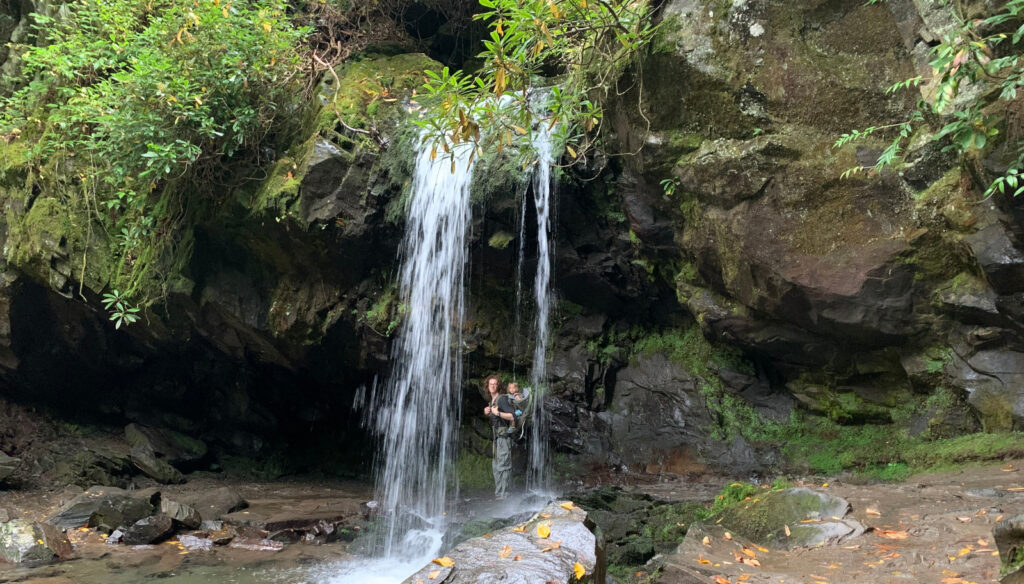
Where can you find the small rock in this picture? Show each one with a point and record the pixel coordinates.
(257, 545)
(193, 543)
(159, 470)
(115, 537)
(184, 514)
(149, 530)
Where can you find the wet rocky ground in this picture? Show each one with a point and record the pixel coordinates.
(933, 528)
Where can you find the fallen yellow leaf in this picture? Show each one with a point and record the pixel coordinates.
(891, 534)
(706, 541)
(700, 559)
(505, 552)
(786, 529)
(873, 512)
(749, 552)
(445, 562)
(964, 551)
(721, 580)
(517, 558)
(728, 536)
(568, 505)
(519, 528)
(551, 547)
(964, 519)
(761, 549)
(434, 574)
(579, 570)
(543, 531)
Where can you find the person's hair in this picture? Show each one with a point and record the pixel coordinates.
(488, 382)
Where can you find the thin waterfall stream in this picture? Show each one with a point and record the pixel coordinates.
(537, 479)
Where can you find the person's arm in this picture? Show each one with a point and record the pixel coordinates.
(505, 410)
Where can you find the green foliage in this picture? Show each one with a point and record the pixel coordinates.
(134, 107)
(473, 471)
(120, 311)
(979, 53)
(669, 185)
(587, 45)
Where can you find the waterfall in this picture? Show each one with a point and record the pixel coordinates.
(537, 478)
(418, 414)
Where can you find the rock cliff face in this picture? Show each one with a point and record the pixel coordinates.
(847, 298)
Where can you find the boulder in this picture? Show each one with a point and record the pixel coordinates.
(95, 467)
(524, 554)
(993, 380)
(212, 505)
(173, 447)
(154, 467)
(764, 519)
(999, 258)
(1009, 536)
(27, 542)
(7, 465)
(656, 411)
(106, 508)
(150, 529)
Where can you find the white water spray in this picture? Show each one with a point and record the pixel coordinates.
(418, 414)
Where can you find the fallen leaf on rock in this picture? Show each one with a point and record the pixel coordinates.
(445, 562)
(873, 512)
(519, 528)
(553, 546)
(567, 505)
(505, 552)
(721, 580)
(964, 551)
(749, 552)
(579, 570)
(701, 560)
(1009, 468)
(706, 541)
(761, 549)
(728, 536)
(980, 512)
(517, 558)
(952, 580)
(998, 519)
(743, 577)
(786, 529)
(964, 519)
(737, 555)
(1015, 489)
(543, 531)
(892, 534)
(982, 542)
(751, 562)
(544, 515)
(434, 574)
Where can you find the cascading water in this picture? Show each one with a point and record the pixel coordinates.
(537, 476)
(418, 414)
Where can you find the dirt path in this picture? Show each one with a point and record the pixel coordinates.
(935, 528)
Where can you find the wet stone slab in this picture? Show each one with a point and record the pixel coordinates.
(550, 547)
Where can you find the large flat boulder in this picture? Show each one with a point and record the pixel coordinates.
(551, 547)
